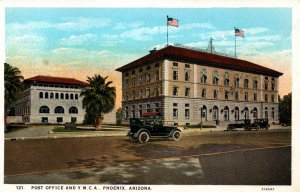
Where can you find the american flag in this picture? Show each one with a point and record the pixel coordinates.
(172, 22)
(239, 32)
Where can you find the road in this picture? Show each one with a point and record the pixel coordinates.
(233, 158)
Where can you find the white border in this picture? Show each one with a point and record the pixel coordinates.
(295, 4)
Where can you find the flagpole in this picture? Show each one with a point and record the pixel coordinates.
(234, 44)
(167, 31)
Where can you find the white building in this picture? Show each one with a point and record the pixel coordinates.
(48, 99)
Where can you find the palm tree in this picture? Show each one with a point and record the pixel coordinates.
(13, 83)
(98, 98)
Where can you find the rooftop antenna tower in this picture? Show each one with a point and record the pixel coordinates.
(210, 48)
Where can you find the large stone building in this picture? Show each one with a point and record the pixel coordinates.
(48, 99)
(188, 86)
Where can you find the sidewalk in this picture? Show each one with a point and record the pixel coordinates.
(45, 132)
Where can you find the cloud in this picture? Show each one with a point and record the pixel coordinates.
(190, 26)
(143, 34)
(79, 39)
(136, 24)
(83, 23)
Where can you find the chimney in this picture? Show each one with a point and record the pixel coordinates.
(153, 50)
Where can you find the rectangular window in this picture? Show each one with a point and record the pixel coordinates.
(215, 94)
(273, 86)
(175, 113)
(148, 67)
(266, 85)
(175, 104)
(236, 95)
(59, 119)
(148, 92)
(187, 113)
(187, 105)
(255, 97)
(133, 72)
(73, 119)
(187, 66)
(175, 64)
(266, 98)
(156, 65)
(140, 70)
(187, 92)
(226, 94)
(204, 93)
(44, 119)
(175, 91)
(246, 96)
(133, 82)
(140, 94)
(187, 76)
(175, 75)
(273, 98)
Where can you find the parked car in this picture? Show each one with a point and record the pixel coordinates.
(142, 129)
(247, 125)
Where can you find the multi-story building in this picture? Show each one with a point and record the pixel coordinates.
(48, 99)
(189, 86)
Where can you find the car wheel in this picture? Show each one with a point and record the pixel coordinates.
(257, 128)
(176, 135)
(143, 137)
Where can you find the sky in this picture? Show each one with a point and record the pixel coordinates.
(81, 42)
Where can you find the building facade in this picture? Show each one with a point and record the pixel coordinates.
(189, 87)
(53, 100)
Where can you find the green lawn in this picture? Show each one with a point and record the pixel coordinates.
(62, 129)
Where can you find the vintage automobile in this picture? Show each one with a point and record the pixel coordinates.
(142, 129)
(247, 125)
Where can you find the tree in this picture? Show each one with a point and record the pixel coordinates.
(13, 86)
(98, 98)
(285, 109)
(119, 115)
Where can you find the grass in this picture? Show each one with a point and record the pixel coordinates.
(62, 129)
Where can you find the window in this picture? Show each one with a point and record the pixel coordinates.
(175, 64)
(273, 113)
(273, 86)
(73, 110)
(157, 91)
(203, 76)
(266, 112)
(59, 109)
(246, 83)
(236, 113)
(175, 104)
(156, 65)
(44, 119)
(147, 92)
(187, 105)
(255, 96)
(236, 95)
(255, 83)
(236, 82)
(246, 96)
(126, 83)
(175, 91)
(187, 92)
(216, 78)
(226, 94)
(273, 98)
(187, 66)
(71, 96)
(140, 70)
(175, 75)
(266, 85)
(156, 75)
(226, 82)
(56, 96)
(226, 79)
(148, 77)
(140, 94)
(254, 113)
(204, 93)
(141, 79)
(266, 97)
(59, 120)
(76, 96)
(46, 95)
(51, 95)
(215, 94)
(133, 94)
(126, 74)
(175, 113)
(148, 67)
(133, 82)
(215, 113)
(187, 76)
(187, 113)
(61, 96)
(67, 96)
(44, 109)
(73, 119)
(41, 95)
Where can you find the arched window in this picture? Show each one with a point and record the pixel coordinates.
(236, 82)
(44, 109)
(56, 96)
(246, 113)
(246, 83)
(254, 112)
(216, 78)
(61, 96)
(226, 79)
(67, 96)
(215, 113)
(236, 113)
(46, 95)
(73, 110)
(41, 95)
(204, 113)
(187, 76)
(71, 96)
(226, 113)
(51, 95)
(255, 83)
(203, 76)
(76, 96)
(59, 109)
